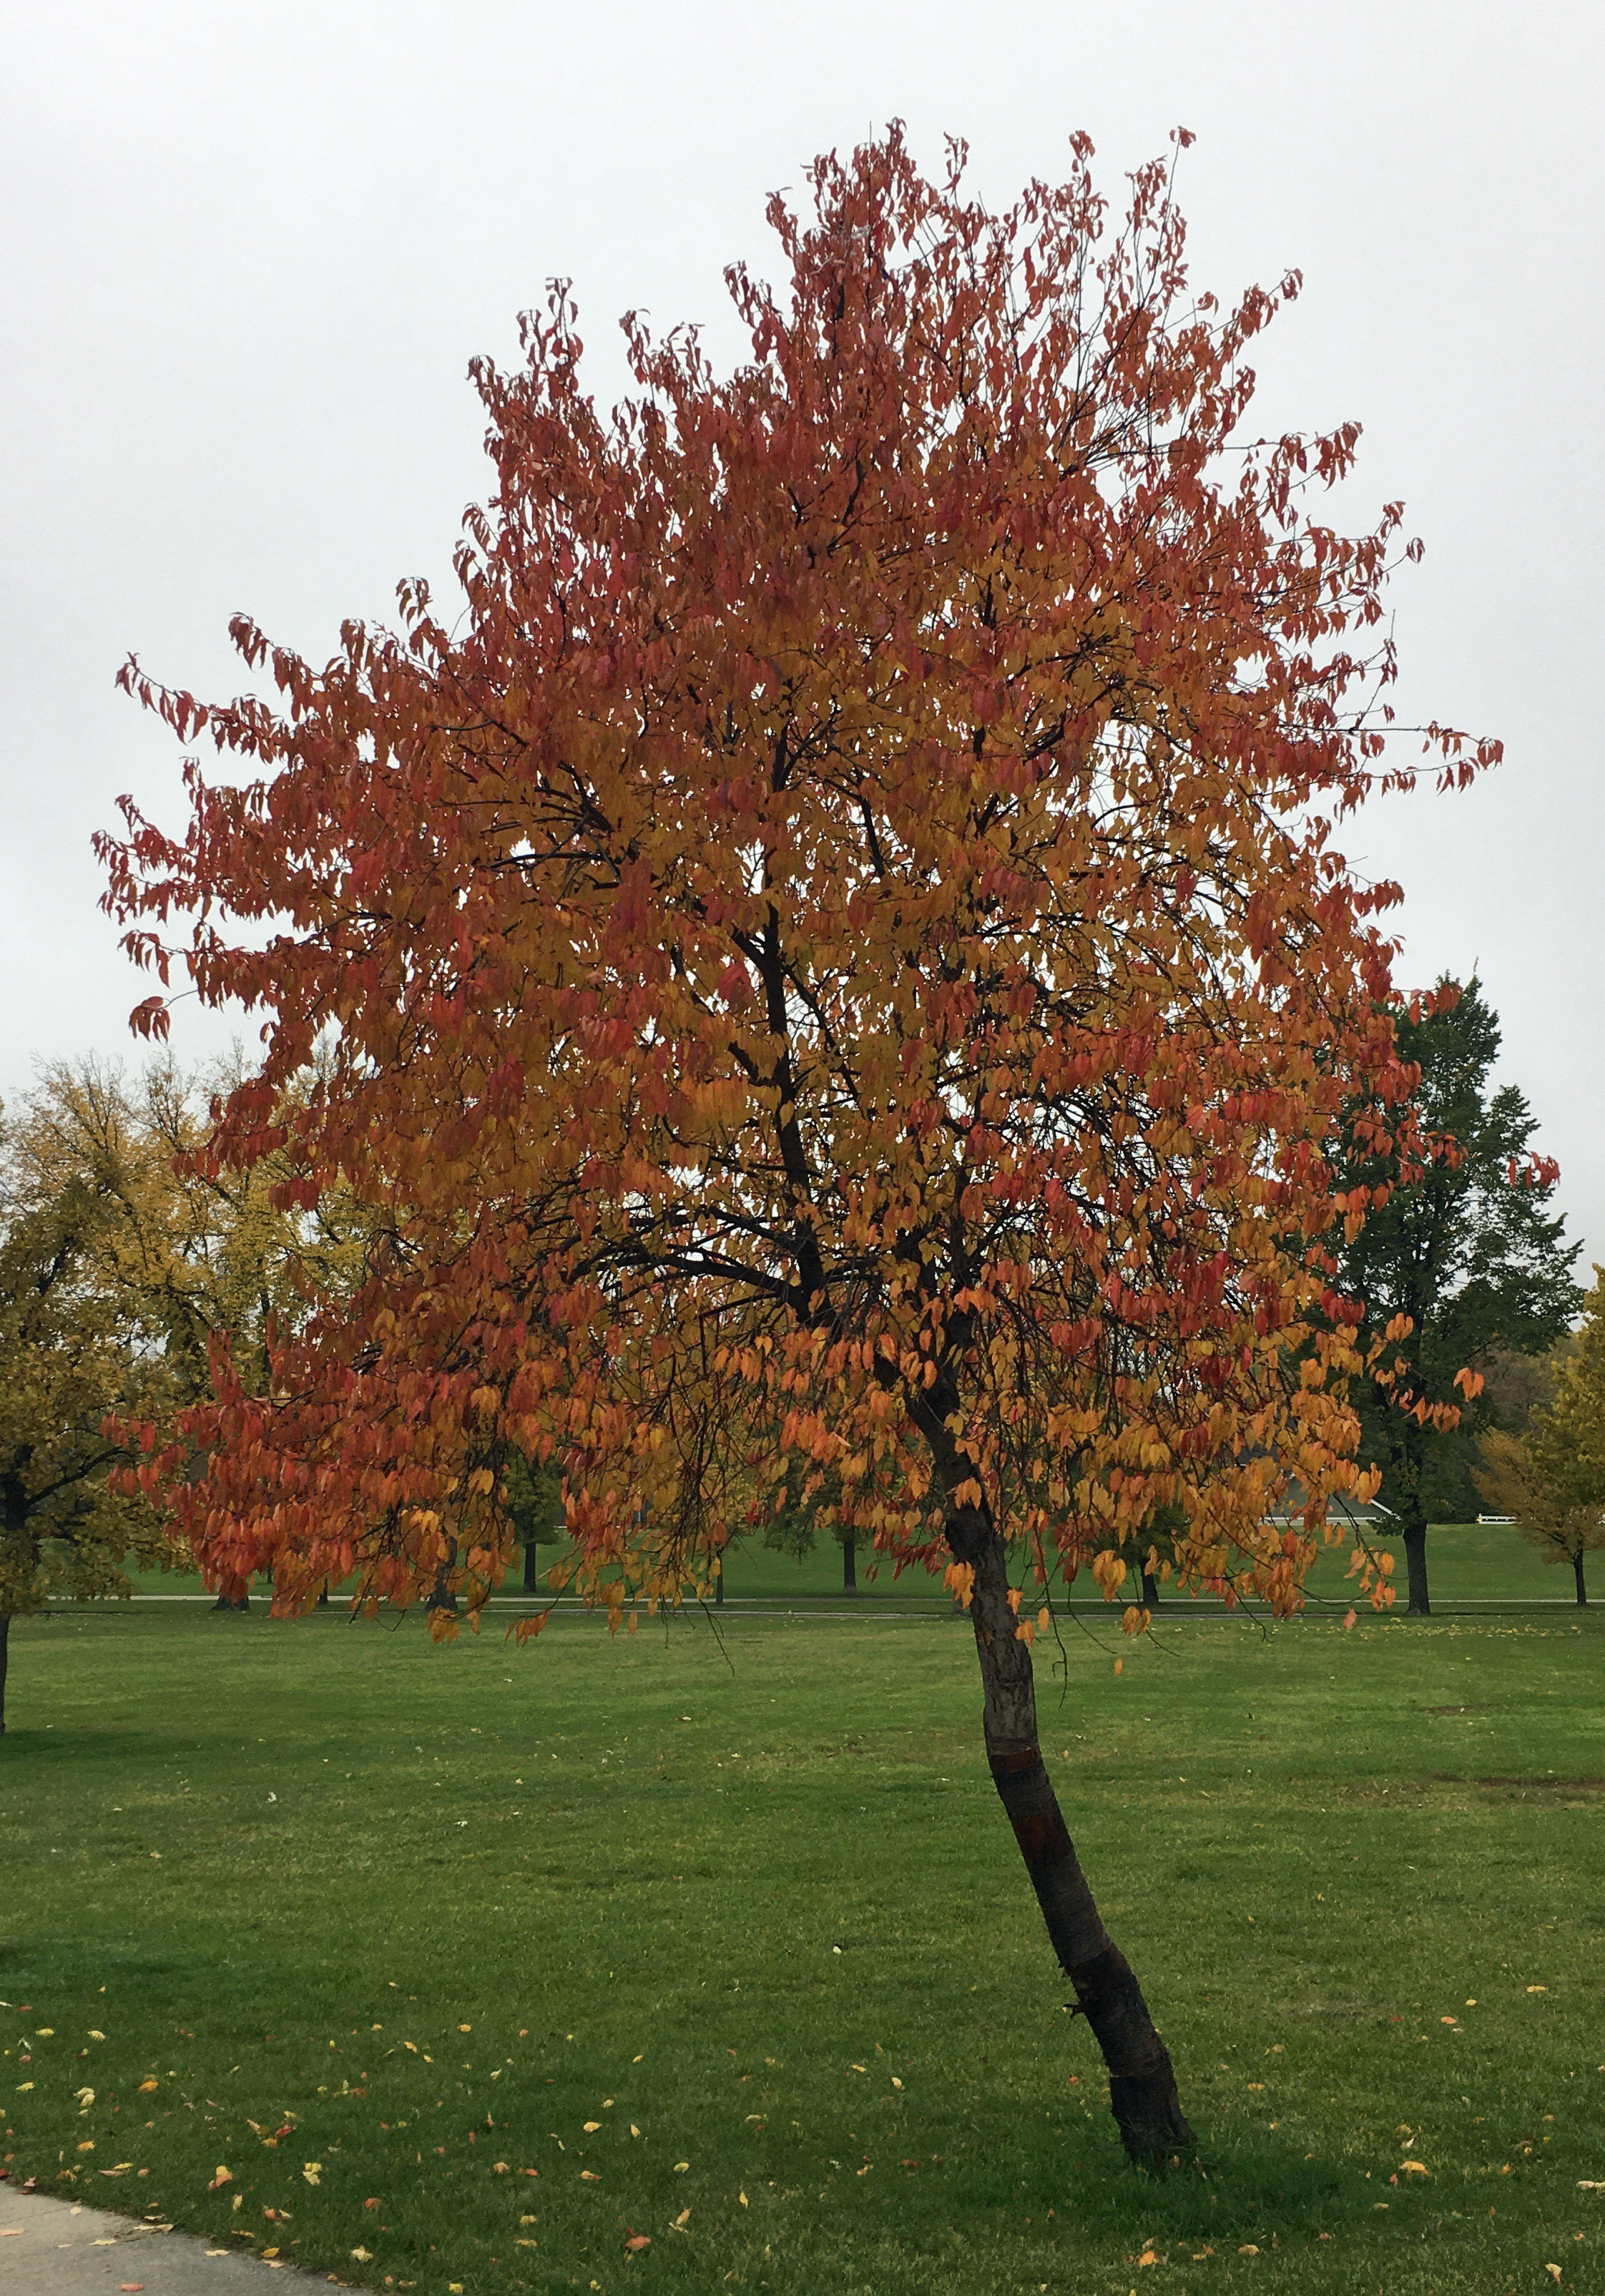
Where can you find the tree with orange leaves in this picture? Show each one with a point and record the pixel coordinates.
(838, 967)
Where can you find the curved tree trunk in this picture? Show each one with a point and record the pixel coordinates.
(1142, 2090)
(1414, 1530)
(849, 1567)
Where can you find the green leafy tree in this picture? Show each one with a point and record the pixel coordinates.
(1551, 1479)
(535, 1504)
(1459, 1254)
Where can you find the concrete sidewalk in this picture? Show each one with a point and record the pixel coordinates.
(59, 2248)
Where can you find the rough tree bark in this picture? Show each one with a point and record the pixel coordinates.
(1142, 2090)
(1413, 1529)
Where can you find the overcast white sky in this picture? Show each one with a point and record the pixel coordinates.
(247, 253)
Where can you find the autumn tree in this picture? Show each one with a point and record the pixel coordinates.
(1460, 1258)
(1551, 1478)
(76, 1350)
(838, 960)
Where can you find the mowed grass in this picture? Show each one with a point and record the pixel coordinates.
(725, 1940)
(1470, 1562)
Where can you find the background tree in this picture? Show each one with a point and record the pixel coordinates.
(1459, 1256)
(535, 1511)
(794, 1525)
(840, 962)
(1551, 1479)
(79, 1348)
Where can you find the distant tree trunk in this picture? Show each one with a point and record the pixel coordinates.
(718, 1578)
(6, 1634)
(440, 1594)
(1576, 1565)
(532, 1572)
(1150, 1591)
(1142, 2090)
(1414, 1528)
(322, 1599)
(849, 1567)
(234, 1594)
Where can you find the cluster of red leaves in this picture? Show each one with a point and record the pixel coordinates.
(838, 981)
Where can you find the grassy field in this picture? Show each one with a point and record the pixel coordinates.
(468, 1966)
(1476, 1563)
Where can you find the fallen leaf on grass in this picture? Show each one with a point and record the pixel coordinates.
(145, 2086)
(1248, 2249)
(1414, 2167)
(636, 2242)
(1554, 2271)
(684, 2218)
(589, 2177)
(313, 2171)
(363, 2255)
(223, 2176)
(591, 2127)
(1148, 2257)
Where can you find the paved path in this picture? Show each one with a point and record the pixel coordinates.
(59, 2247)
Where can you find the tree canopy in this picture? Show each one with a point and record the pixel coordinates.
(1551, 1478)
(79, 1346)
(839, 960)
(1461, 1262)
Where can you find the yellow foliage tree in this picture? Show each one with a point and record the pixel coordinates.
(128, 1259)
(1551, 1479)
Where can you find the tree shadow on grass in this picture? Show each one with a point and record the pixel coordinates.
(1242, 2185)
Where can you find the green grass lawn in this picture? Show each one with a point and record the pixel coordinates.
(478, 1962)
(1467, 1562)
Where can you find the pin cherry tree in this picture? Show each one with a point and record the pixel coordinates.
(834, 974)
